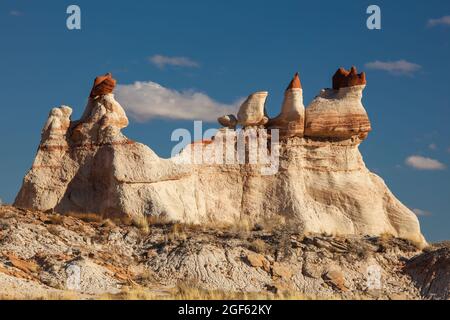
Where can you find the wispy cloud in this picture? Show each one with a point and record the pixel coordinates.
(442, 21)
(162, 61)
(400, 67)
(16, 13)
(423, 163)
(421, 213)
(432, 146)
(149, 100)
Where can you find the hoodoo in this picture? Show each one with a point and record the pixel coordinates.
(321, 186)
(291, 120)
(252, 111)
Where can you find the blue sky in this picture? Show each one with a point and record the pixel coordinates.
(226, 50)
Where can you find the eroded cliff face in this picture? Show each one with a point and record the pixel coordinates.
(317, 179)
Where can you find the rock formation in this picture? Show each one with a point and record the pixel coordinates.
(55, 130)
(291, 120)
(344, 79)
(321, 184)
(103, 85)
(228, 121)
(338, 113)
(252, 111)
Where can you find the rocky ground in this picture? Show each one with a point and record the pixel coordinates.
(51, 256)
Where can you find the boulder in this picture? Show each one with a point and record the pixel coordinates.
(280, 270)
(257, 260)
(335, 278)
(228, 121)
(252, 111)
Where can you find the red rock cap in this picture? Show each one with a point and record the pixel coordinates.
(103, 85)
(295, 83)
(343, 78)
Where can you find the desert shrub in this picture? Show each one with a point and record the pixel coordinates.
(258, 246)
(141, 223)
(156, 220)
(242, 227)
(271, 223)
(177, 232)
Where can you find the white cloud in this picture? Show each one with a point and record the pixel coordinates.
(15, 13)
(421, 213)
(161, 61)
(423, 163)
(149, 100)
(442, 21)
(400, 67)
(432, 146)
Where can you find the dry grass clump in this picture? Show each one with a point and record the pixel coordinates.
(271, 223)
(385, 238)
(191, 291)
(258, 246)
(87, 216)
(178, 232)
(181, 292)
(56, 219)
(45, 295)
(156, 220)
(142, 224)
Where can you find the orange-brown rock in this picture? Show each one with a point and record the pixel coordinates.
(295, 83)
(344, 79)
(25, 266)
(336, 279)
(103, 85)
(281, 270)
